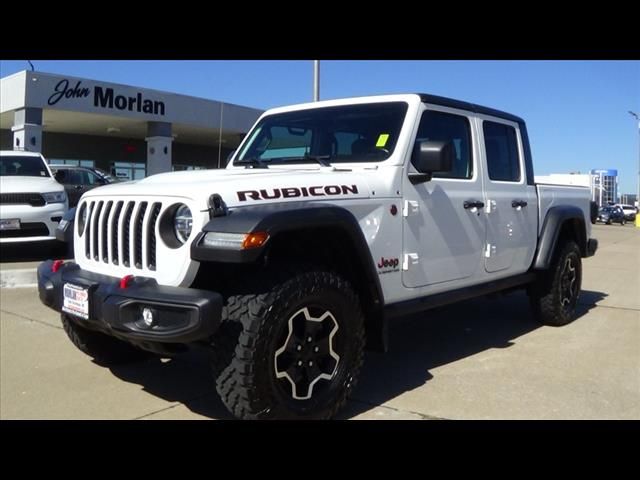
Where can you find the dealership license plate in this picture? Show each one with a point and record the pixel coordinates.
(10, 224)
(76, 300)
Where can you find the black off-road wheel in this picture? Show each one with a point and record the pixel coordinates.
(291, 350)
(104, 349)
(555, 295)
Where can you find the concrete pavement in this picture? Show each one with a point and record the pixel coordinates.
(480, 359)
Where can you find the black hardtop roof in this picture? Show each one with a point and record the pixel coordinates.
(453, 103)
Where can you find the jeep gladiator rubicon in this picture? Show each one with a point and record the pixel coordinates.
(330, 219)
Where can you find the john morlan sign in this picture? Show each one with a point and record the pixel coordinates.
(106, 98)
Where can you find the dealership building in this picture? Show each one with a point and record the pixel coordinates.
(602, 183)
(128, 131)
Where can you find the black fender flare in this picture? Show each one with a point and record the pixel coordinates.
(555, 219)
(286, 217)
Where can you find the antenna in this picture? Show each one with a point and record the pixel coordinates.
(31, 65)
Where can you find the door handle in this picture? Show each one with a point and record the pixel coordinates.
(518, 203)
(473, 204)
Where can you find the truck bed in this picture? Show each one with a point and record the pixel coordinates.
(551, 195)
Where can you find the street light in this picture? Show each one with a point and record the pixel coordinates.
(316, 80)
(635, 115)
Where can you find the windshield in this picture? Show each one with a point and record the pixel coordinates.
(349, 133)
(108, 178)
(24, 166)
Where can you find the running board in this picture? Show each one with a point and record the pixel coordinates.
(409, 307)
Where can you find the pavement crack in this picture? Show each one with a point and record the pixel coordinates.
(421, 415)
(165, 409)
(31, 319)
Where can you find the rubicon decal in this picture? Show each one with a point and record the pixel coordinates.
(294, 192)
(386, 265)
(106, 98)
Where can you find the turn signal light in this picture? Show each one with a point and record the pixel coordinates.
(56, 265)
(254, 240)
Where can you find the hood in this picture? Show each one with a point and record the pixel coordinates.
(11, 184)
(239, 187)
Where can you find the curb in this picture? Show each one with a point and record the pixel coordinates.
(18, 278)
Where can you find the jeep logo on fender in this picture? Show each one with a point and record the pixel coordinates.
(388, 263)
(106, 98)
(293, 192)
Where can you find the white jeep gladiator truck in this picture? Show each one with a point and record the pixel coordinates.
(330, 219)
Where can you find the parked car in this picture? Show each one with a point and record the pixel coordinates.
(629, 212)
(593, 212)
(31, 201)
(611, 214)
(77, 180)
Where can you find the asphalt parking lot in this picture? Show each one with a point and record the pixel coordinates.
(480, 359)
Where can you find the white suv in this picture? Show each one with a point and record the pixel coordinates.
(32, 202)
(629, 212)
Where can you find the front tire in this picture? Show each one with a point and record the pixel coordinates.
(296, 348)
(104, 349)
(555, 294)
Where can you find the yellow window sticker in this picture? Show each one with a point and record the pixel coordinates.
(382, 140)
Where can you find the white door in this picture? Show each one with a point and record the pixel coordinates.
(510, 204)
(443, 240)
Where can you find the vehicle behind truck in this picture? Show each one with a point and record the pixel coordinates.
(330, 220)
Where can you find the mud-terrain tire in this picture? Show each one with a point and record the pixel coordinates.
(104, 349)
(555, 294)
(290, 349)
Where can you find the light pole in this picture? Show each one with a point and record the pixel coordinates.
(316, 80)
(635, 115)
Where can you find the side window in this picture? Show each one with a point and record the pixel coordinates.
(73, 177)
(89, 178)
(447, 127)
(501, 146)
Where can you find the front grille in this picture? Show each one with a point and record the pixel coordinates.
(35, 229)
(33, 199)
(121, 232)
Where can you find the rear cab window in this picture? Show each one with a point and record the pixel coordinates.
(501, 148)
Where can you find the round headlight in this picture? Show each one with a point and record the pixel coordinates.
(82, 218)
(182, 223)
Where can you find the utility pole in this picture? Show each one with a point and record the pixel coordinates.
(635, 115)
(316, 80)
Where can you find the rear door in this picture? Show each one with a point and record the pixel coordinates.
(442, 238)
(511, 206)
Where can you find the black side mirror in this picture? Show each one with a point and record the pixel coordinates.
(60, 176)
(429, 157)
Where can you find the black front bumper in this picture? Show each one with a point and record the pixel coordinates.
(181, 315)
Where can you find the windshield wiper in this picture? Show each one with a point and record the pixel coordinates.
(253, 163)
(321, 159)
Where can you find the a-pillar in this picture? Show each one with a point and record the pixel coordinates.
(158, 147)
(27, 129)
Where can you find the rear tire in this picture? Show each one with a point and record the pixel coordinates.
(555, 294)
(291, 350)
(104, 349)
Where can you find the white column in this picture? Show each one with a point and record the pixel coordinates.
(158, 147)
(158, 154)
(27, 129)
